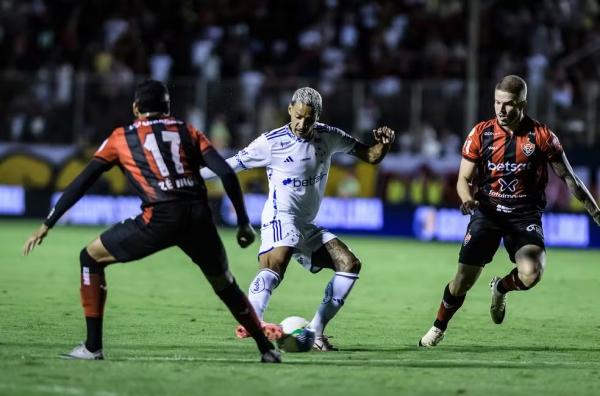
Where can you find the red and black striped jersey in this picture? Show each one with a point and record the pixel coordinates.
(512, 168)
(161, 157)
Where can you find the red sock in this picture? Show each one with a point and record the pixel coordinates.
(511, 282)
(448, 307)
(93, 298)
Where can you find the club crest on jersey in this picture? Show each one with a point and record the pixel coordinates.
(528, 148)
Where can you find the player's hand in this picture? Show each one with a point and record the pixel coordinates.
(35, 239)
(469, 207)
(384, 135)
(245, 235)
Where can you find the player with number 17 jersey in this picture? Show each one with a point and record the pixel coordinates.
(160, 157)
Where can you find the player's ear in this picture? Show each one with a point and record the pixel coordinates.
(523, 104)
(135, 110)
(290, 109)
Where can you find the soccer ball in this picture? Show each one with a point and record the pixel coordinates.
(296, 337)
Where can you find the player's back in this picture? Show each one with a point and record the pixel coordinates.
(160, 156)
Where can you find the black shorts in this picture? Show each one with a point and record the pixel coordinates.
(485, 231)
(186, 224)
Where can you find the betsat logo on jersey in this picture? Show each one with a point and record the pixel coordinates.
(310, 181)
(508, 166)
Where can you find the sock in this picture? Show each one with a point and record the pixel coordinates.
(93, 298)
(448, 307)
(242, 311)
(336, 292)
(261, 289)
(511, 282)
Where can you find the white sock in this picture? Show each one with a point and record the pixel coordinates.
(259, 292)
(336, 292)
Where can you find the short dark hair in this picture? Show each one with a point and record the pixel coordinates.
(513, 84)
(152, 96)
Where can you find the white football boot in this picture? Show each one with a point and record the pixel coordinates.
(322, 344)
(498, 306)
(81, 352)
(433, 337)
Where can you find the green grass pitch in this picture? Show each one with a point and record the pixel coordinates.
(166, 333)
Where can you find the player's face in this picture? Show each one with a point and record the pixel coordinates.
(509, 108)
(302, 120)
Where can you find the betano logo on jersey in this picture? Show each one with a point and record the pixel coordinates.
(508, 166)
(311, 181)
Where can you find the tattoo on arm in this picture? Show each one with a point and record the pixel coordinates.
(563, 169)
(372, 155)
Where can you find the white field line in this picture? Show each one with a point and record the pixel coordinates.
(353, 361)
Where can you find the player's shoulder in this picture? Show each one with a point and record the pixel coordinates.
(325, 131)
(483, 127)
(274, 134)
(323, 128)
(537, 126)
(144, 123)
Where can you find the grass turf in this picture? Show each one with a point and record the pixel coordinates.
(167, 333)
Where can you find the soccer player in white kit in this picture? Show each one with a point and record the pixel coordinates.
(297, 158)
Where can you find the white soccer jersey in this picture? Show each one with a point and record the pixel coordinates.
(297, 169)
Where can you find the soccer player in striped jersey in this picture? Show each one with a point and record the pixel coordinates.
(507, 157)
(297, 157)
(161, 157)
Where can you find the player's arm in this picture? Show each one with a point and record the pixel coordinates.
(224, 171)
(233, 162)
(466, 174)
(563, 169)
(70, 196)
(384, 137)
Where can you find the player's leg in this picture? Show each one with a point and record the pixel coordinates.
(479, 246)
(271, 269)
(278, 242)
(93, 260)
(525, 246)
(206, 250)
(126, 241)
(336, 255)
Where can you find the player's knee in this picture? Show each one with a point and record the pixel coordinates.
(350, 264)
(87, 261)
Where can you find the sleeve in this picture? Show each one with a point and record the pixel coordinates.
(109, 150)
(340, 141)
(77, 188)
(208, 174)
(256, 155)
(550, 145)
(230, 182)
(203, 142)
(472, 147)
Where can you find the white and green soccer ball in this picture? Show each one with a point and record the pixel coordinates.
(296, 337)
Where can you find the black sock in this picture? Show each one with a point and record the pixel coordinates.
(448, 307)
(94, 334)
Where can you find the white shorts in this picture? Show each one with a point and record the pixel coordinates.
(305, 239)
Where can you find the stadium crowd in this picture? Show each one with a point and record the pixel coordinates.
(257, 44)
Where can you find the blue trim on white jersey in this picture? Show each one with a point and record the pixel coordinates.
(239, 161)
(276, 136)
(274, 131)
